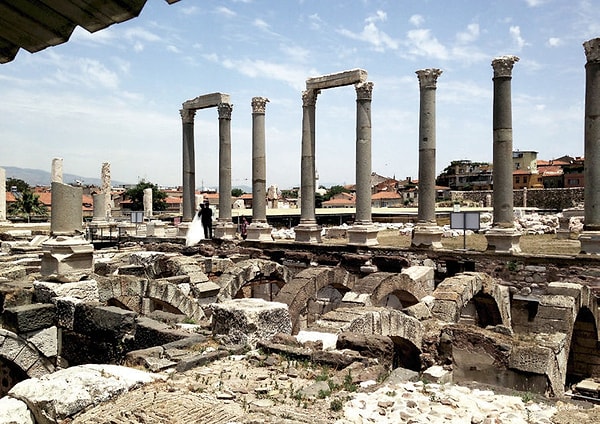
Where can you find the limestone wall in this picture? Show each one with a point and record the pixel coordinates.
(550, 198)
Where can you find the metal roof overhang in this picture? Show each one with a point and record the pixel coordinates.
(37, 24)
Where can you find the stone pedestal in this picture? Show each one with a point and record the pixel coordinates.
(260, 231)
(564, 223)
(503, 240)
(127, 228)
(156, 229)
(224, 230)
(427, 236)
(363, 235)
(308, 233)
(67, 259)
(590, 242)
(182, 229)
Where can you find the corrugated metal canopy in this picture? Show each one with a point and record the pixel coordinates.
(36, 24)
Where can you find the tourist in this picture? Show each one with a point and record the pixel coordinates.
(205, 214)
(244, 228)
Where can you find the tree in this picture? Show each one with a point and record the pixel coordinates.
(18, 183)
(136, 195)
(27, 203)
(333, 190)
(236, 192)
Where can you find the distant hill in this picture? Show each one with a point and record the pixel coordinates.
(38, 177)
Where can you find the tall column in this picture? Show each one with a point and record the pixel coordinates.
(590, 236)
(2, 194)
(147, 200)
(189, 166)
(259, 230)
(106, 188)
(308, 231)
(503, 236)
(225, 229)
(363, 232)
(427, 233)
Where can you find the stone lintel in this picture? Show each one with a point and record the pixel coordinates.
(336, 80)
(206, 101)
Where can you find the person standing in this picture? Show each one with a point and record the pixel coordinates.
(244, 228)
(205, 214)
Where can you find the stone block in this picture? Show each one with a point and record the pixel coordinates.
(437, 374)
(15, 411)
(27, 318)
(86, 290)
(245, 321)
(107, 322)
(422, 275)
(46, 340)
(534, 359)
(419, 311)
(338, 79)
(206, 101)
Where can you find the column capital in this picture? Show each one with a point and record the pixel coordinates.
(259, 104)
(309, 97)
(428, 77)
(224, 110)
(503, 66)
(364, 90)
(187, 115)
(592, 50)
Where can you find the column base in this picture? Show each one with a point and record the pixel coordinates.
(308, 233)
(503, 240)
(224, 230)
(259, 231)
(182, 229)
(363, 235)
(67, 259)
(590, 242)
(427, 236)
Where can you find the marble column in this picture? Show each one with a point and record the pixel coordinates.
(590, 236)
(259, 230)
(56, 171)
(189, 166)
(308, 231)
(363, 232)
(427, 233)
(503, 236)
(106, 189)
(225, 228)
(99, 200)
(2, 194)
(147, 199)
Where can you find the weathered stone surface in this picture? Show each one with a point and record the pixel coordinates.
(15, 411)
(244, 321)
(419, 311)
(371, 346)
(58, 396)
(107, 322)
(27, 318)
(45, 340)
(83, 290)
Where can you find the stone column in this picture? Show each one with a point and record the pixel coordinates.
(259, 230)
(308, 231)
(225, 228)
(56, 172)
(503, 236)
(147, 199)
(189, 166)
(2, 194)
(99, 200)
(363, 232)
(590, 236)
(106, 189)
(427, 233)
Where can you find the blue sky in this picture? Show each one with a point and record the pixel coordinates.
(114, 96)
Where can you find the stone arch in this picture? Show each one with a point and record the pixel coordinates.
(133, 293)
(17, 354)
(305, 287)
(380, 285)
(584, 354)
(236, 277)
(489, 299)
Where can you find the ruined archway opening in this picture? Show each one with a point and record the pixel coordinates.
(327, 299)
(406, 354)
(399, 300)
(260, 288)
(584, 354)
(116, 302)
(10, 374)
(160, 305)
(482, 311)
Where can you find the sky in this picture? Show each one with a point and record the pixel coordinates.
(114, 95)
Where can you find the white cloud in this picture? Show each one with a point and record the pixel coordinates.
(139, 33)
(372, 34)
(224, 11)
(87, 72)
(190, 10)
(290, 74)
(554, 41)
(515, 34)
(416, 20)
(259, 23)
(296, 53)
(173, 49)
(315, 21)
(470, 35)
(422, 43)
(535, 3)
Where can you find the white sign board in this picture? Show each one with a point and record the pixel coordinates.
(464, 220)
(137, 217)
